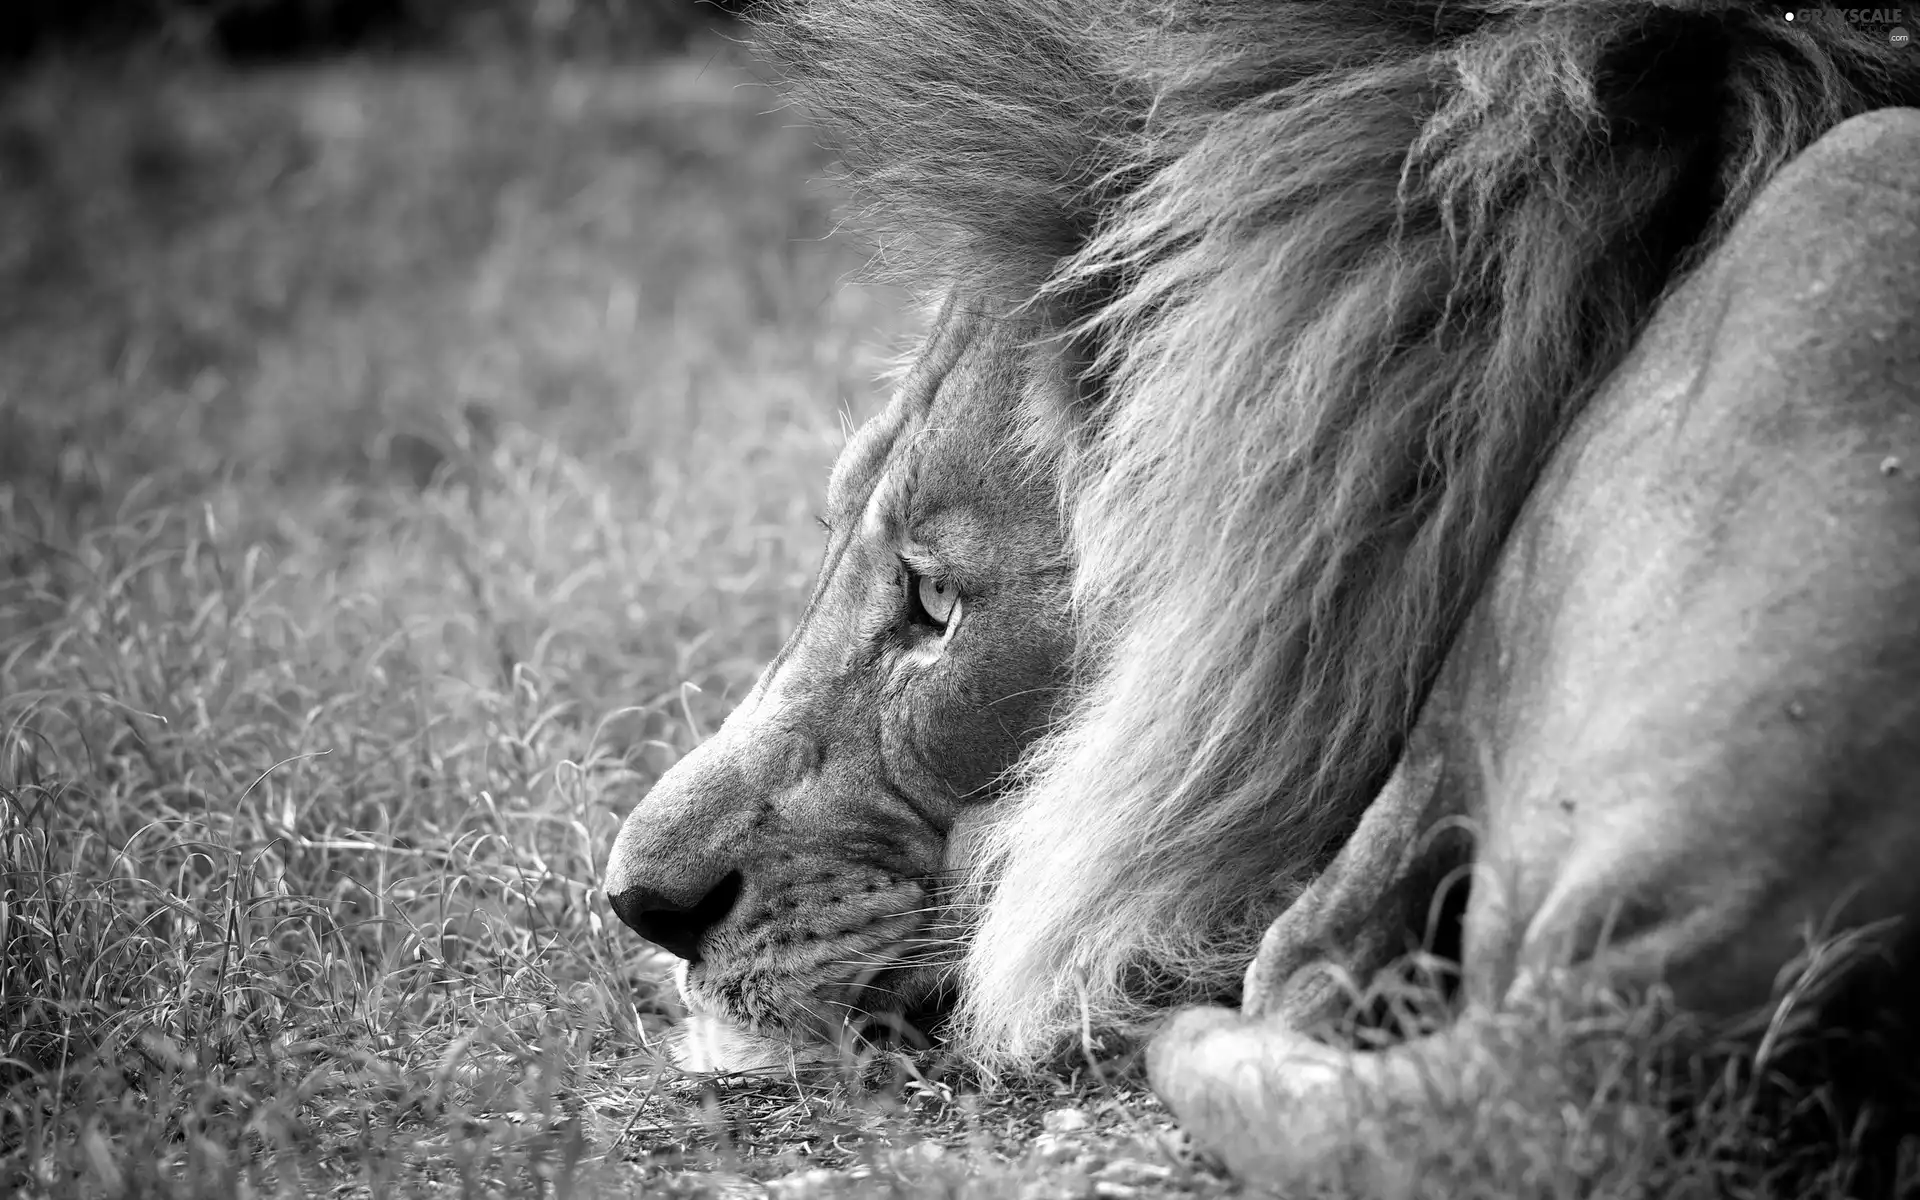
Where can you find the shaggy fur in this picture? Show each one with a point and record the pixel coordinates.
(1344, 272)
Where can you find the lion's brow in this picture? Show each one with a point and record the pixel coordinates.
(856, 475)
(865, 456)
(891, 499)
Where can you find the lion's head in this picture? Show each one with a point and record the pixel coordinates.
(1335, 279)
(798, 861)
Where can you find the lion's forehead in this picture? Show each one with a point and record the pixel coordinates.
(866, 453)
(869, 453)
(963, 402)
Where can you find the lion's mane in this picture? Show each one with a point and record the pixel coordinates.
(1342, 273)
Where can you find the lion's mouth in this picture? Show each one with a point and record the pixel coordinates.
(859, 995)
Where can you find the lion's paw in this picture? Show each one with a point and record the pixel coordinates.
(1262, 1098)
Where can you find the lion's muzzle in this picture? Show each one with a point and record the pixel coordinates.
(677, 869)
(773, 861)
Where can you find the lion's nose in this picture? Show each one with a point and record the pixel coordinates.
(676, 923)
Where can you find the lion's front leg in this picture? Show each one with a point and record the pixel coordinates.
(1264, 1099)
(1351, 922)
(1253, 1087)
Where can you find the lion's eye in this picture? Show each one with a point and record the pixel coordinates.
(932, 600)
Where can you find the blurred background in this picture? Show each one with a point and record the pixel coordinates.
(255, 31)
(412, 415)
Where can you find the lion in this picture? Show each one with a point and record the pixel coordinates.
(1363, 454)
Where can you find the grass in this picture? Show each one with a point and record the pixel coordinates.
(400, 466)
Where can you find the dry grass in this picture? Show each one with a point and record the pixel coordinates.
(399, 467)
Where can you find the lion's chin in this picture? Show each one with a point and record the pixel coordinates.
(712, 1044)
